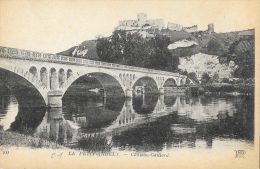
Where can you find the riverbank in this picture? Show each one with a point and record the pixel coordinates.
(90, 143)
(10, 139)
(221, 89)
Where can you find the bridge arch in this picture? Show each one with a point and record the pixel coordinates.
(170, 82)
(110, 83)
(23, 85)
(148, 81)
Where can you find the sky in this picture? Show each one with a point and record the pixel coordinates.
(54, 26)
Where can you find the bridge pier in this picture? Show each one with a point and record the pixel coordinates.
(184, 81)
(55, 98)
(54, 120)
(129, 93)
(104, 94)
(161, 90)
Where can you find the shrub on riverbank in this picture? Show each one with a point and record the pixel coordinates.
(94, 142)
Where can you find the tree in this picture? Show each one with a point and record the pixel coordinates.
(225, 80)
(205, 78)
(246, 65)
(104, 50)
(160, 56)
(184, 72)
(132, 49)
(215, 47)
(244, 57)
(215, 78)
(118, 48)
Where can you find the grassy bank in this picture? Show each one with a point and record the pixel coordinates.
(91, 142)
(8, 138)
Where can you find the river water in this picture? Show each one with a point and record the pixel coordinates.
(144, 123)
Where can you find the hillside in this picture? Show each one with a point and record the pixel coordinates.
(68, 52)
(212, 44)
(86, 49)
(230, 46)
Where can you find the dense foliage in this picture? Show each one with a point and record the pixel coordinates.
(132, 49)
(192, 76)
(205, 78)
(244, 57)
(246, 63)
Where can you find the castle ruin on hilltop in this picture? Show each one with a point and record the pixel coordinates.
(143, 23)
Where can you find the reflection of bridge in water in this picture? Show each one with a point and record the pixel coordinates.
(8, 112)
(56, 128)
(129, 118)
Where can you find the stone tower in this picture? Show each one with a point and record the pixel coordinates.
(210, 28)
(141, 19)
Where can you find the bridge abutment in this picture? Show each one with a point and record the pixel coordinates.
(55, 98)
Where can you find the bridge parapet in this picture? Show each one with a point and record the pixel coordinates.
(47, 57)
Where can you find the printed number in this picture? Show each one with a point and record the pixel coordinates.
(6, 152)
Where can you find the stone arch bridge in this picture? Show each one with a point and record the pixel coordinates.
(49, 75)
